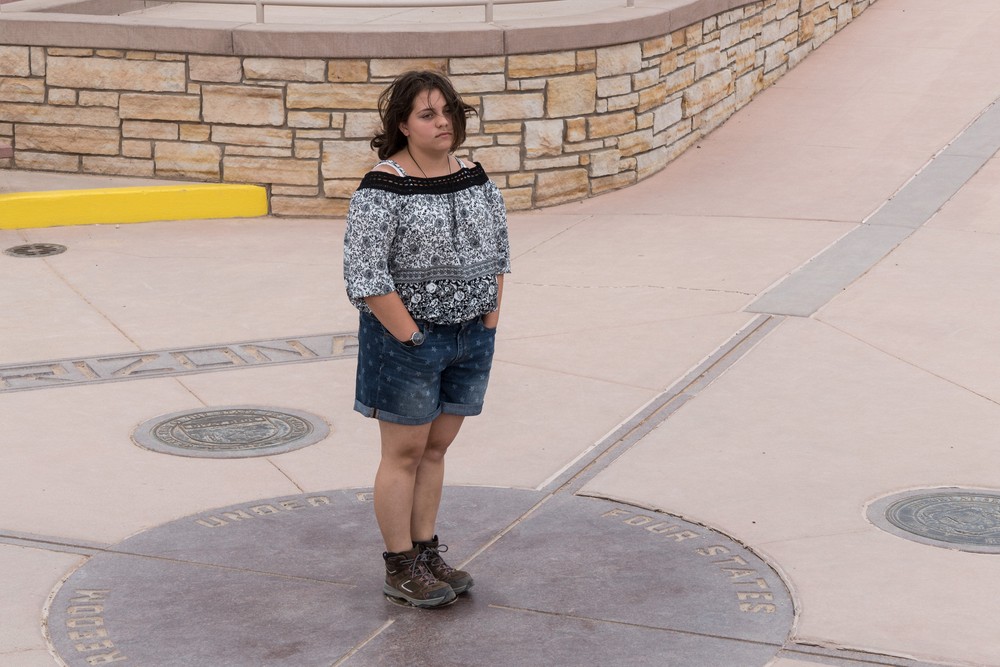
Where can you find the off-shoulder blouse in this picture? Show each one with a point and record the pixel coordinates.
(439, 242)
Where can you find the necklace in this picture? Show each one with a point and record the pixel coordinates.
(451, 195)
(421, 168)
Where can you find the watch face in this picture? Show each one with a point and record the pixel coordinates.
(417, 338)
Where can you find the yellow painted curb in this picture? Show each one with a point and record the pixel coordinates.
(103, 206)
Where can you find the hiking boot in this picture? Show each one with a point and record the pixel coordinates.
(459, 580)
(408, 577)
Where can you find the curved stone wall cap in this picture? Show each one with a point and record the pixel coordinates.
(117, 32)
(368, 41)
(687, 12)
(36, 6)
(603, 27)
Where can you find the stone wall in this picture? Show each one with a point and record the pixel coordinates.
(553, 127)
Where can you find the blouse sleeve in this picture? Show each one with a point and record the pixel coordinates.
(371, 228)
(498, 216)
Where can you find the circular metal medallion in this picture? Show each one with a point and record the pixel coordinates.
(280, 582)
(235, 432)
(35, 250)
(963, 519)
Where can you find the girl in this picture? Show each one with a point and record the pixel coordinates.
(425, 251)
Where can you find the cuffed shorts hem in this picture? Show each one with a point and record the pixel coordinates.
(382, 415)
(461, 410)
(446, 408)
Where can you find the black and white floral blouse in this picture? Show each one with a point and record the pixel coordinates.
(439, 242)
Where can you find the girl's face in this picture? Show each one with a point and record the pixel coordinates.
(428, 127)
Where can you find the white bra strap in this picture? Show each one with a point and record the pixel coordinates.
(394, 165)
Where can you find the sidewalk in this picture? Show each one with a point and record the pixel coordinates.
(655, 324)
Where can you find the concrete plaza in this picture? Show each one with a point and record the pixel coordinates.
(759, 346)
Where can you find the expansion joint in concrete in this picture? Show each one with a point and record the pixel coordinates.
(603, 453)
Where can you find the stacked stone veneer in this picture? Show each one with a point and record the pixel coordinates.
(552, 127)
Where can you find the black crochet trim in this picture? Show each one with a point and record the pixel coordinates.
(439, 185)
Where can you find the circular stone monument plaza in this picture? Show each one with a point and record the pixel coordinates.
(745, 403)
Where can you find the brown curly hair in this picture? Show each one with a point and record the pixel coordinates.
(396, 102)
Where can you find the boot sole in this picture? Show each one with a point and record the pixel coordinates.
(400, 602)
(463, 589)
(414, 602)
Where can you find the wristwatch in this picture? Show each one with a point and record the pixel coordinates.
(416, 339)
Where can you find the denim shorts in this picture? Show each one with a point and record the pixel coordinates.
(413, 385)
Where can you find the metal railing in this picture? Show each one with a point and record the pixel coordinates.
(376, 4)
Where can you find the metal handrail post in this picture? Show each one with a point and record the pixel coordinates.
(489, 11)
(260, 11)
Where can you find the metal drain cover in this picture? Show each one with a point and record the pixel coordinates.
(229, 433)
(962, 519)
(35, 250)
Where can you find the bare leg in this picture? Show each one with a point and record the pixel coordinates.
(409, 479)
(402, 450)
(430, 476)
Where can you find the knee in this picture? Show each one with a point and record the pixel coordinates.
(406, 459)
(435, 450)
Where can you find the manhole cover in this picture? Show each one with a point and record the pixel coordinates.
(35, 250)
(234, 432)
(963, 519)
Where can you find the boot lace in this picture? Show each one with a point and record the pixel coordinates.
(420, 569)
(434, 559)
